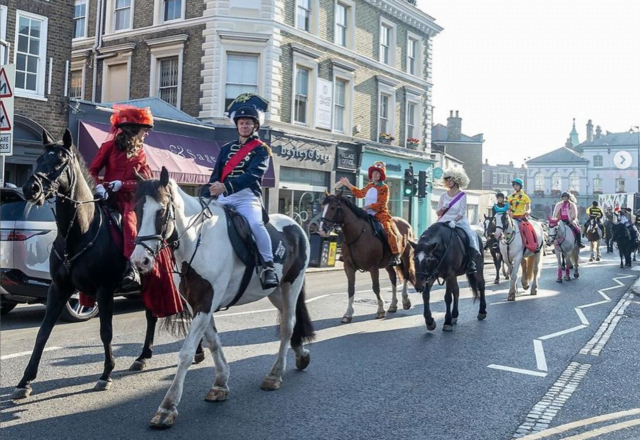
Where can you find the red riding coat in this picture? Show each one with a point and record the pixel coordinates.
(120, 167)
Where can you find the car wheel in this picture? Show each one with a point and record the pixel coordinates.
(6, 306)
(75, 312)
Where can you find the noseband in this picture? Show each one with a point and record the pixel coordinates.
(52, 181)
(163, 242)
(332, 223)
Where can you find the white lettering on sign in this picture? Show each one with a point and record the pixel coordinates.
(5, 143)
(324, 101)
(294, 153)
(7, 77)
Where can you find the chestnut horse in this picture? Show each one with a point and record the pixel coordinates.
(362, 250)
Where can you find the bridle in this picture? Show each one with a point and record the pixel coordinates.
(507, 228)
(162, 238)
(432, 275)
(332, 223)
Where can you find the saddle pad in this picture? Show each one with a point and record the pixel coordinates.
(529, 237)
(378, 231)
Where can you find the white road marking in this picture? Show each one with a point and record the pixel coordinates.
(541, 360)
(605, 430)
(25, 353)
(517, 370)
(563, 332)
(583, 319)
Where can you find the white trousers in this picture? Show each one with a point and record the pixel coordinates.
(249, 206)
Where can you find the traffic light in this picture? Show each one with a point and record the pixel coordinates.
(410, 187)
(422, 184)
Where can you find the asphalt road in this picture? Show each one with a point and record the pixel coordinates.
(567, 355)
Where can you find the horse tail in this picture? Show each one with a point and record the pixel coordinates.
(529, 267)
(303, 329)
(475, 287)
(410, 272)
(177, 325)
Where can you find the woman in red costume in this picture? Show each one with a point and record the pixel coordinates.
(122, 156)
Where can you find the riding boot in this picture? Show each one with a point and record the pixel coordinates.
(131, 279)
(395, 260)
(471, 265)
(268, 276)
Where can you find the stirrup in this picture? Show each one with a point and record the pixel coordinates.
(265, 280)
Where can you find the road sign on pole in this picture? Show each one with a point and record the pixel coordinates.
(7, 77)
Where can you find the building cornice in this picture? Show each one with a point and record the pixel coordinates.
(305, 50)
(179, 25)
(240, 36)
(408, 14)
(170, 39)
(125, 47)
(388, 81)
(344, 65)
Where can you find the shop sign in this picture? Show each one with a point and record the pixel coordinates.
(394, 167)
(347, 159)
(302, 155)
(324, 104)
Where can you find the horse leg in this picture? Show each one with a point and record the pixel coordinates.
(428, 319)
(451, 292)
(393, 276)
(536, 271)
(56, 300)
(220, 389)
(525, 280)
(105, 304)
(513, 285)
(375, 286)
(147, 350)
(576, 263)
(592, 249)
(496, 263)
(167, 413)
(480, 284)
(598, 254)
(351, 283)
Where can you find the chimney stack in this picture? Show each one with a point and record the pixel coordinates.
(598, 132)
(454, 127)
(589, 131)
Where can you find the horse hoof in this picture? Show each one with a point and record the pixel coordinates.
(138, 365)
(576, 275)
(590, 259)
(21, 393)
(481, 316)
(511, 297)
(598, 259)
(102, 385)
(160, 422)
(199, 357)
(621, 266)
(271, 384)
(559, 280)
(217, 394)
(346, 319)
(406, 305)
(447, 328)
(380, 315)
(533, 292)
(431, 327)
(454, 321)
(392, 309)
(567, 278)
(303, 361)
(496, 281)
(525, 287)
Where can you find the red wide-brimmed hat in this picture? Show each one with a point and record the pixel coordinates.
(381, 167)
(130, 115)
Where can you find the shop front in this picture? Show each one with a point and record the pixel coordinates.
(27, 147)
(397, 162)
(304, 170)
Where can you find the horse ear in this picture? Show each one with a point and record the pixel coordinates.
(46, 140)
(67, 140)
(164, 177)
(413, 244)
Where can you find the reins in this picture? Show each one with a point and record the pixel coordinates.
(333, 223)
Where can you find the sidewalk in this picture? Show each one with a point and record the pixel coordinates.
(339, 266)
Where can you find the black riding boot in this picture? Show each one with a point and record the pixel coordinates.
(395, 260)
(269, 277)
(473, 255)
(131, 279)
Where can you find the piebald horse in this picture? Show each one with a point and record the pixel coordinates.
(515, 254)
(210, 276)
(565, 246)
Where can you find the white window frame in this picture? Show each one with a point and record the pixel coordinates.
(42, 62)
(238, 46)
(418, 59)
(417, 101)
(3, 34)
(392, 41)
(598, 156)
(295, 15)
(384, 89)
(558, 186)
(86, 19)
(226, 64)
(158, 53)
(300, 60)
(350, 5)
(110, 19)
(78, 66)
(122, 58)
(574, 181)
(620, 185)
(539, 181)
(349, 77)
(597, 184)
(158, 15)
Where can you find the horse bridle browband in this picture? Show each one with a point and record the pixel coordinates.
(163, 241)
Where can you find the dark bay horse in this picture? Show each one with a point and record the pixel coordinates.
(361, 250)
(441, 254)
(608, 231)
(84, 258)
(622, 237)
(494, 247)
(594, 233)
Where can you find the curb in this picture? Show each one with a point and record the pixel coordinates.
(635, 287)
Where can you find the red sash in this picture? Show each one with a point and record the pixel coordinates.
(238, 157)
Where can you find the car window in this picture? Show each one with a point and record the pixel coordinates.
(13, 211)
(41, 213)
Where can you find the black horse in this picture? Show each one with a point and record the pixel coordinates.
(84, 258)
(622, 237)
(441, 254)
(494, 248)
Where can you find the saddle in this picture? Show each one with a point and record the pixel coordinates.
(379, 232)
(114, 220)
(529, 236)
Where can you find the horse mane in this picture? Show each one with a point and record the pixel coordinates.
(359, 212)
(431, 232)
(152, 189)
(84, 170)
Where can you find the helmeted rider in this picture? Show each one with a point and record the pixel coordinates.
(567, 211)
(626, 218)
(595, 212)
(500, 205)
(237, 177)
(519, 202)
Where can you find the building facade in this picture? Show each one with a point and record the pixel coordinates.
(35, 36)
(498, 177)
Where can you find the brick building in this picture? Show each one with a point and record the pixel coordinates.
(36, 34)
(498, 177)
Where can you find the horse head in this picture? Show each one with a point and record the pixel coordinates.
(431, 256)
(425, 261)
(156, 217)
(332, 213)
(54, 173)
(503, 225)
(556, 231)
(489, 224)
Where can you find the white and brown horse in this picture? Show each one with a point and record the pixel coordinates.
(211, 276)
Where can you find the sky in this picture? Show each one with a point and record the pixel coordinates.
(520, 71)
